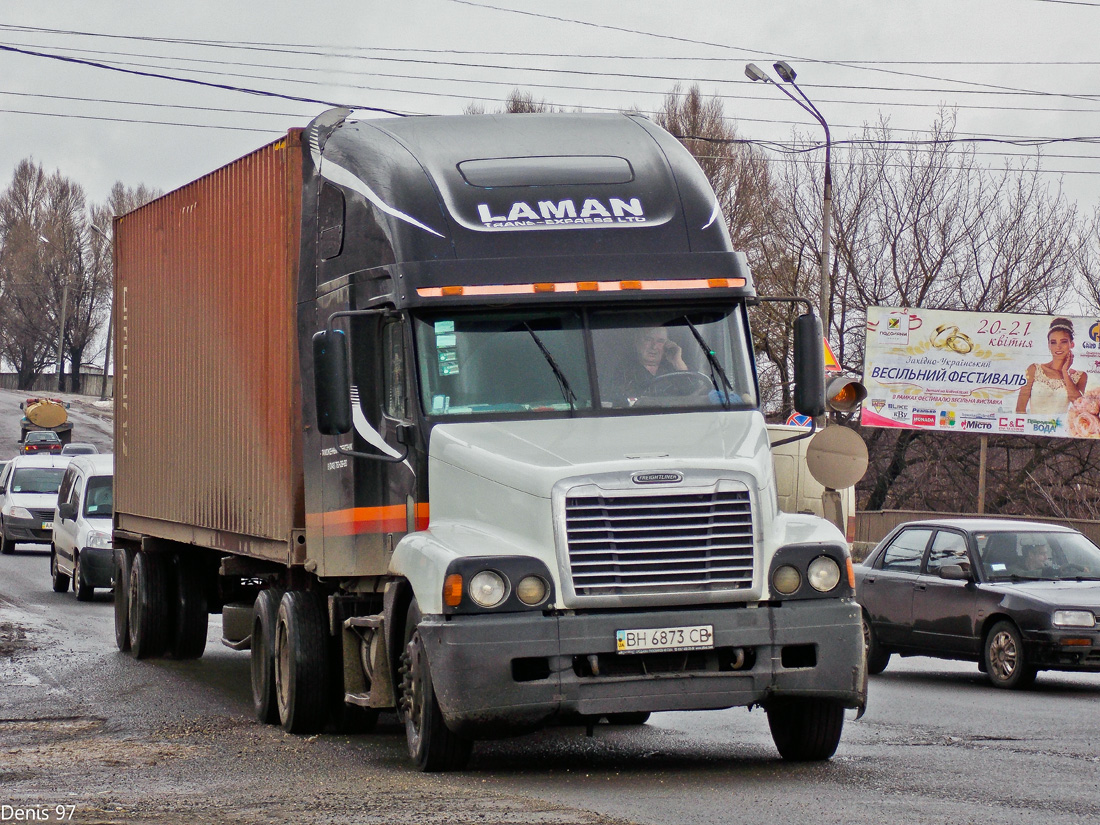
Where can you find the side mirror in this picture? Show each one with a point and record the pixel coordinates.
(330, 376)
(809, 366)
(954, 572)
(67, 511)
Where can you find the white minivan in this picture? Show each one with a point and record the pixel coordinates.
(82, 547)
(28, 496)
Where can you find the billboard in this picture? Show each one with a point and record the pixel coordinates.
(982, 372)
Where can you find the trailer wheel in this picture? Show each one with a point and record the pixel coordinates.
(432, 745)
(148, 613)
(806, 729)
(265, 615)
(301, 662)
(123, 562)
(83, 590)
(191, 617)
(60, 580)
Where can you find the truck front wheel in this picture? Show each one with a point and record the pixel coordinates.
(432, 745)
(301, 662)
(806, 729)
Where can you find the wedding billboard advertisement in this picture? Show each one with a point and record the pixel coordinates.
(982, 372)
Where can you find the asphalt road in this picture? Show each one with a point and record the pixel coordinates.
(162, 741)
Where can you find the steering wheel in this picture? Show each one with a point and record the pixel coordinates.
(1074, 569)
(683, 382)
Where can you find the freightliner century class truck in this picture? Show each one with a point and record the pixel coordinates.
(385, 402)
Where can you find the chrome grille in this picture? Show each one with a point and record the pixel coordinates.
(659, 543)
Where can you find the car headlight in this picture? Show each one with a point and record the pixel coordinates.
(1074, 618)
(786, 579)
(823, 573)
(99, 540)
(18, 512)
(488, 589)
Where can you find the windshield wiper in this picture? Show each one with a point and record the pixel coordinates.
(563, 382)
(716, 370)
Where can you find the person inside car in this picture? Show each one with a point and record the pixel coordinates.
(1036, 559)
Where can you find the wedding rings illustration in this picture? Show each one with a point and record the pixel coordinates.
(947, 336)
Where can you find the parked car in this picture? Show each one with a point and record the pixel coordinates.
(41, 442)
(81, 548)
(28, 496)
(1015, 596)
(79, 448)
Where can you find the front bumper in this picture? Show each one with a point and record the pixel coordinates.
(510, 672)
(26, 531)
(97, 565)
(1063, 649)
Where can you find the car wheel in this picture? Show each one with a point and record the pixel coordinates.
(84, 591)
(7, 546)
(301, 666)
(265, 614)
(1004, 659)
(191, 617)
(877, 658)
(806, 729)
(148, 603)
(432, 745)
(123, 563)
(60, 580)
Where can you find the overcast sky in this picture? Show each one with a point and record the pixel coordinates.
(1017, 70)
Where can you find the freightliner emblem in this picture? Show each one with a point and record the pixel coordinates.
(657, 478)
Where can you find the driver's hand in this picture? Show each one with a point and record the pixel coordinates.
(675, 355)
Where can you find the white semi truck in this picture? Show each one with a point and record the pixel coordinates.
(459, 416)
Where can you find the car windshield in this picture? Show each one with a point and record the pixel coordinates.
(1038, 555)
(98, 499)
(584, 360)
(36, 479)
(36, 437)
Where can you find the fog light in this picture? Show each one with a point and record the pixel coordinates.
(531, 590)
(786, 580)
(487, 588)
(823, 573)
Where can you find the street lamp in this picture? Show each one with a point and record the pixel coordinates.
(110, 320)
(61, 326)
(787, 74)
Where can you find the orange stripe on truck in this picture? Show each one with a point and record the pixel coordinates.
(391, 518)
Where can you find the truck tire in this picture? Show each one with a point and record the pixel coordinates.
(877, 658)
(301, 662)
(806, 729)
(148, 608)
(1003, 655)
(60, 580)
(123, 562)
(265, 615)
(432, 745)
(83, 590)
(188, 638)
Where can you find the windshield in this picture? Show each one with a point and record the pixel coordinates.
(36, 479)
(1012, 556)
(98, 498)
(584, 360)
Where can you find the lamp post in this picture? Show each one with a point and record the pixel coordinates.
(110, 321)
(783, 69)
(61, 325)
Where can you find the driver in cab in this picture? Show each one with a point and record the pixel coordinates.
(654, 354)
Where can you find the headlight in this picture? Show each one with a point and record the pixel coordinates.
(531, 590)
(487, 589)
(18, 512)
(824, 574)
(786, 580)
(1074, 618)
(99, 540)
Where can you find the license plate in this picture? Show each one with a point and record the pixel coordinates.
(47, 525)
(650, 639)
